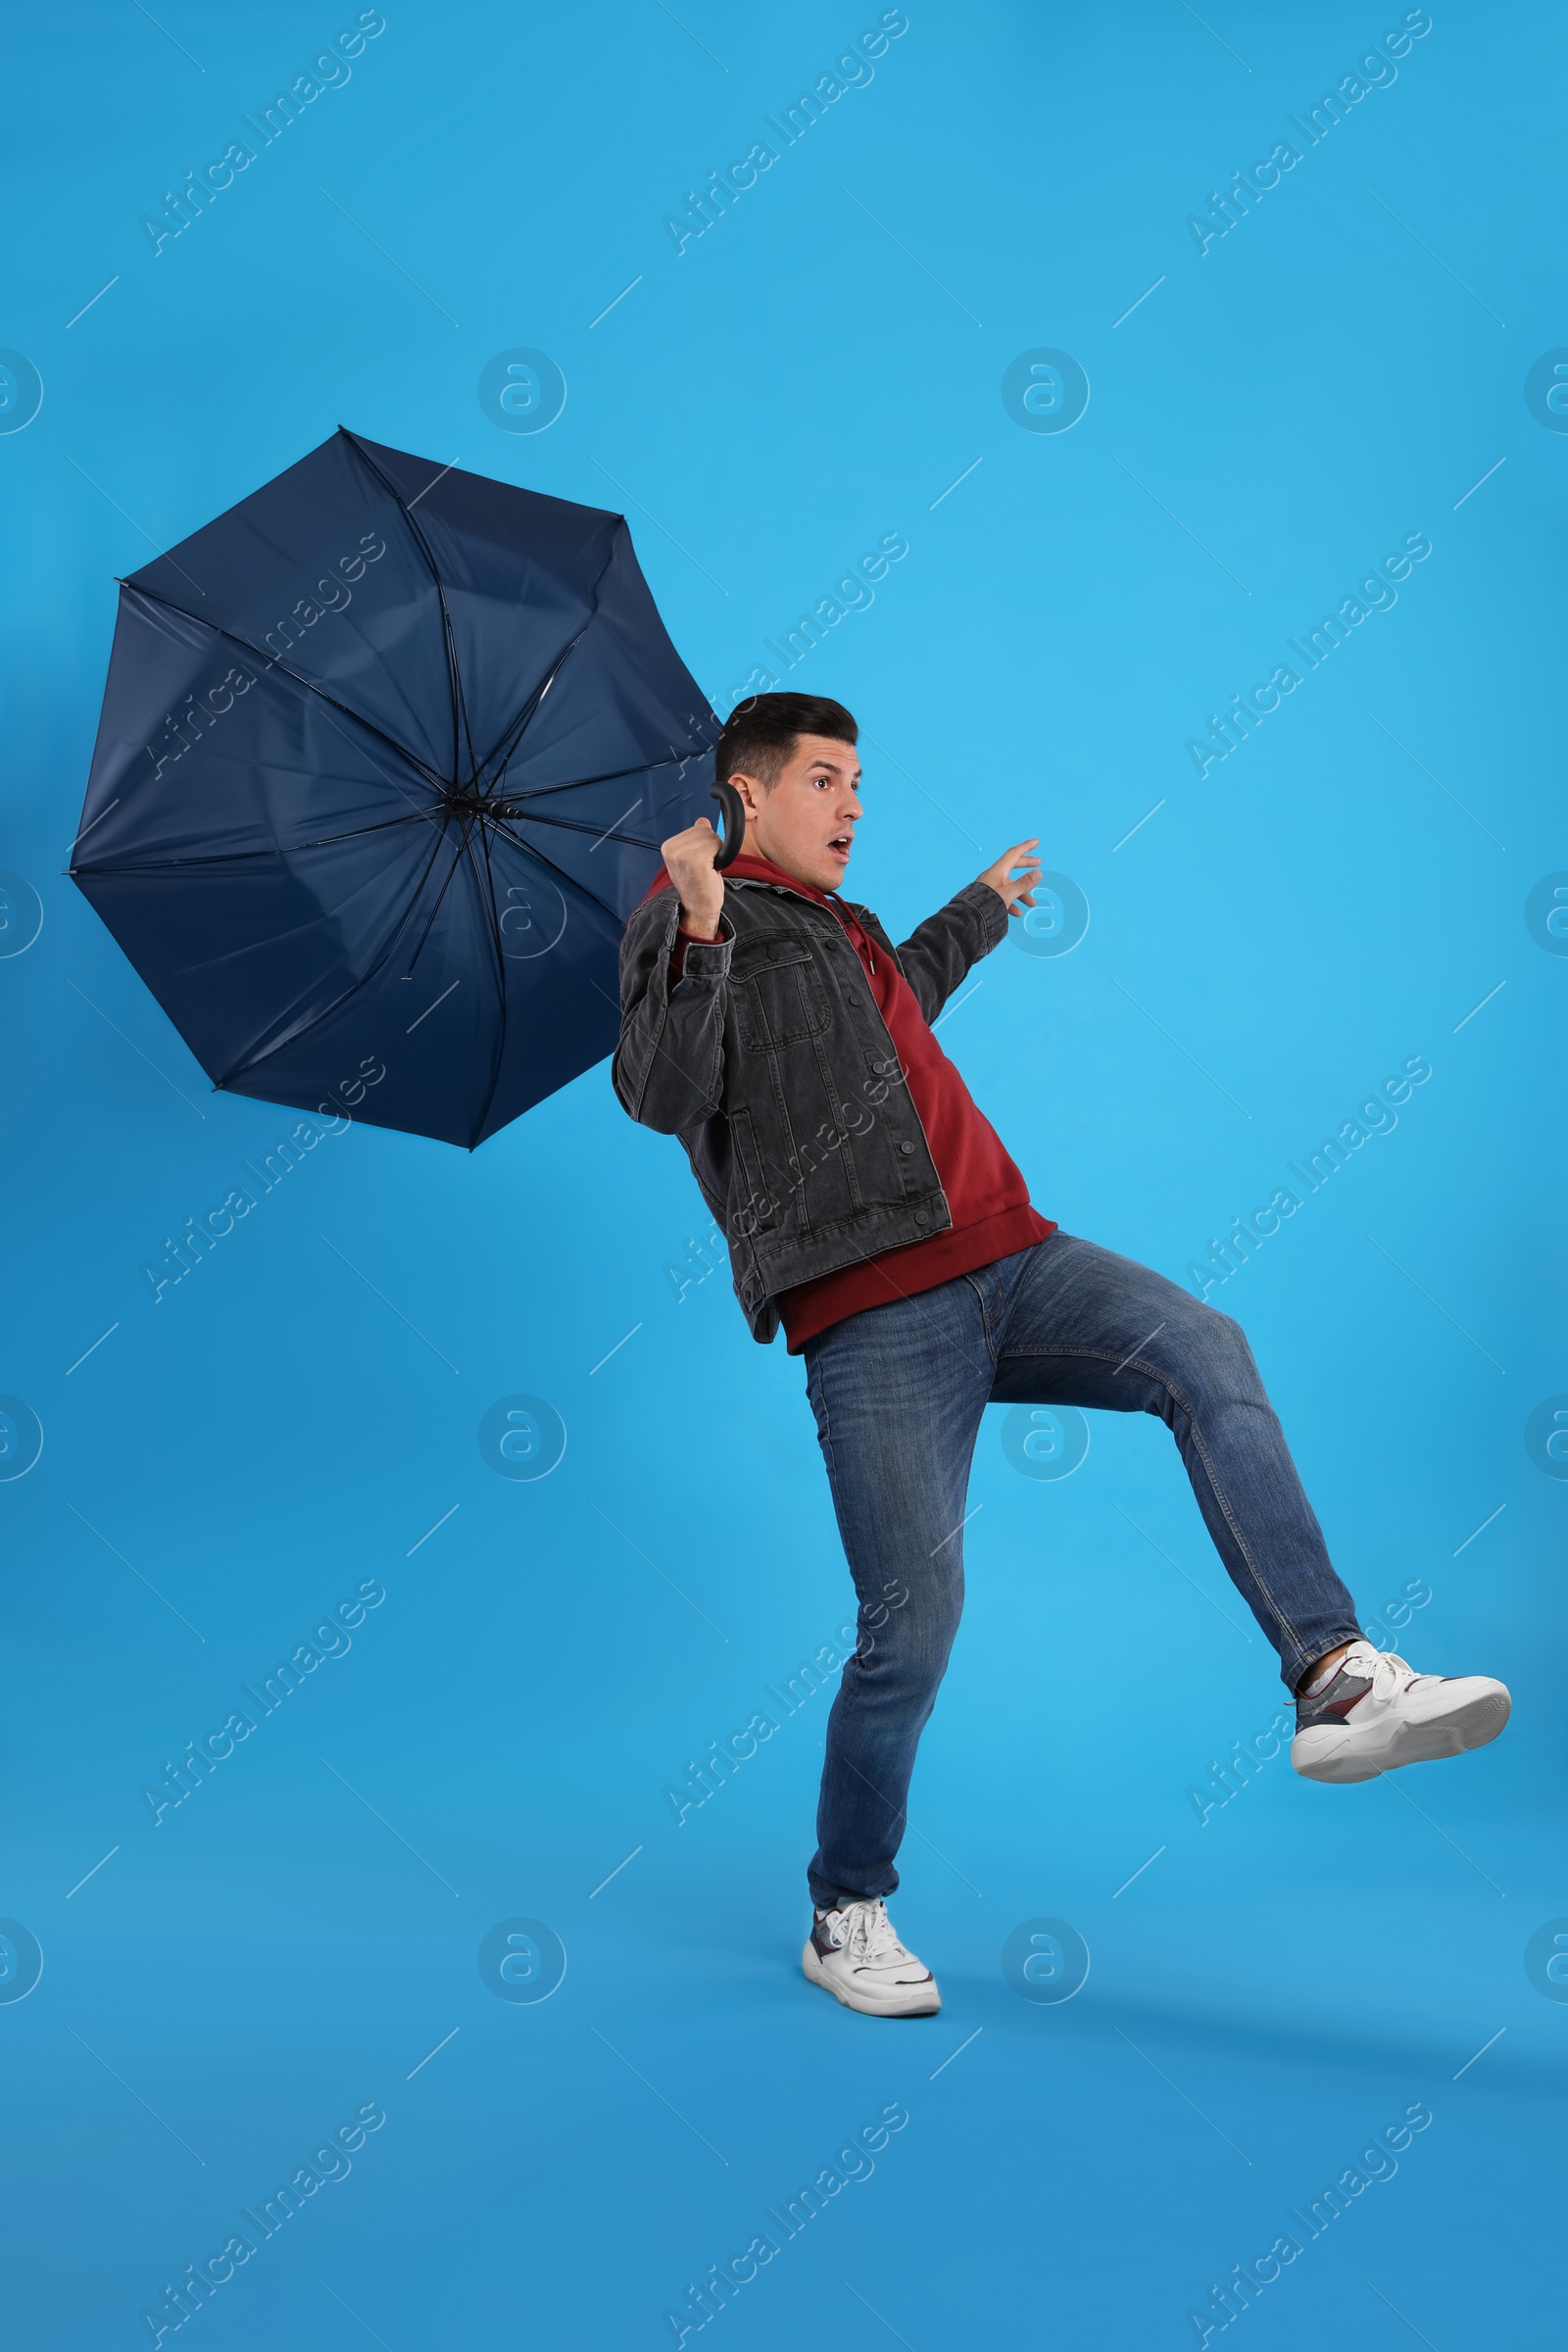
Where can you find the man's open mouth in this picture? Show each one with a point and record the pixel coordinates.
(842, 844)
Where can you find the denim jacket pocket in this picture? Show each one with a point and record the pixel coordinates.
(777, 993)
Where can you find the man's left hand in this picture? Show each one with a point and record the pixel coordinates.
(1016, 890)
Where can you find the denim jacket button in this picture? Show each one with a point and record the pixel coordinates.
(922, 1216)
(906, 1147)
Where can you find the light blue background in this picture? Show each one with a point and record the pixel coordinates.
(1283, 1979)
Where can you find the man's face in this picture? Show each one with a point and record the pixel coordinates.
(805, 823)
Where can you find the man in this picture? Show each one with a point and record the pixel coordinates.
(772, 1026)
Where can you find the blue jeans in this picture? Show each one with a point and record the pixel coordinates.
(898, 1394)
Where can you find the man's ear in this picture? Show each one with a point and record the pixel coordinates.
(751, 791)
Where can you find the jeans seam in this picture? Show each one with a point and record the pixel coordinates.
(826, 1433)
(1104, 1356)
(990, 1328)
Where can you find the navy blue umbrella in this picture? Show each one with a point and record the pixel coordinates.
(385, 756)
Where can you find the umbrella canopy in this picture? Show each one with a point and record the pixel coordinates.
(385, 756)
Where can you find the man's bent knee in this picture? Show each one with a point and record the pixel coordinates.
(1210, 1351)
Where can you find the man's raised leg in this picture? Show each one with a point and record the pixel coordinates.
(1078, 1325)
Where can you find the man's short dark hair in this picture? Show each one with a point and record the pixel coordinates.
(761, 733)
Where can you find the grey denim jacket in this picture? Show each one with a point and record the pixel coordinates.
(769, 1060)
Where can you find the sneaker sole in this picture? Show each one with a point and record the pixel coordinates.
(927, 2003)
(1322, 1755)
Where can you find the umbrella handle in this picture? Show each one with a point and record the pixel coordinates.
(733, 809)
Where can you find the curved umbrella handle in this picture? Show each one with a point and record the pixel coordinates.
(733, 809)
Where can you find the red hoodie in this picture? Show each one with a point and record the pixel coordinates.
(987, 1196)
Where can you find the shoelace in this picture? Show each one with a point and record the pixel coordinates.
(872, 1935)
(1389, 1672)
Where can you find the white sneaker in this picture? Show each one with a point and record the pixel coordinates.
(856, 1955)
(1378, 1713)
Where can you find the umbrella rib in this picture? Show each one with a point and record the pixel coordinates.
(250, 1061)
(530, 850)
(512, 733)
(500, 982)
(495, 912)
(457, 859)
(576, 825)
(285, 849)
(376, 763)
(276, 661)
(460, 711)
(515, 731)
(612, 775)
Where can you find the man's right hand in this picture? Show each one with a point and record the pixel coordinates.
(689, 863)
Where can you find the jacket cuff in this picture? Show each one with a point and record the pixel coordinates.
(705, 961)
(989, 910)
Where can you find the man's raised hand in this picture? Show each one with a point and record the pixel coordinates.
(1016, 890)
(689, 863)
